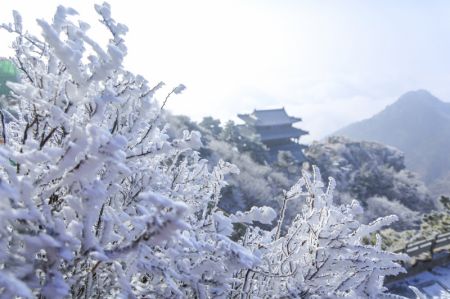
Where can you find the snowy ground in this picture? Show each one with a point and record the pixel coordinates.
(434, 283)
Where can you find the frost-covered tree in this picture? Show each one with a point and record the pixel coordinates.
(321, 254)
(257, 184)
(97, 201)
(371, 171)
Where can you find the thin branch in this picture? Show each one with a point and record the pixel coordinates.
(281, 219)
(46, 138)
(153, 122)
(116, 122)
(22, 68)
(27, 127)
(140, 155)
(2, 116)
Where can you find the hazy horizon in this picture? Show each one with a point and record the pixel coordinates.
(330, 64)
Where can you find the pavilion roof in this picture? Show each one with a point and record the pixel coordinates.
(269, 117)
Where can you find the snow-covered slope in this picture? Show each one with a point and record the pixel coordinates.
(434, 283)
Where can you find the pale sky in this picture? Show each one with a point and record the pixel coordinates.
(328, 62)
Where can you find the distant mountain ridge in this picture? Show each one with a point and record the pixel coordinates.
(418, 124)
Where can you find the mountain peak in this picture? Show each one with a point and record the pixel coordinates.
(418, 124)
(420, 96)
(419, 103)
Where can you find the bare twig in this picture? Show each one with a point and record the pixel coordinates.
(2, 116)
(46, 138)
(153, 122)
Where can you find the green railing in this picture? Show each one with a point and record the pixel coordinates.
(8, 72)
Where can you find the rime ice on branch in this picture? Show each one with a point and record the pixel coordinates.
(97, 201)
(321, 254)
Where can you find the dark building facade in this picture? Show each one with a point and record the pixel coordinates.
(276, 131)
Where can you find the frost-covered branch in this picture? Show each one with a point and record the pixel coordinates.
(96, 200)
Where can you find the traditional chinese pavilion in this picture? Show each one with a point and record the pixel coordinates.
(275, 128)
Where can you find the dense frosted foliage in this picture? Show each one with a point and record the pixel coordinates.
(321, 254)
(258, 183)
(97, 201)
(101, 197)
(374, 174)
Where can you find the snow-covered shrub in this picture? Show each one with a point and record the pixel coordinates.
(96, 201)
(257, 184)
(369, 170)
(377, 206)
(321, 255)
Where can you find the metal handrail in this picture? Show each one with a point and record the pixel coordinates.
(416, 248)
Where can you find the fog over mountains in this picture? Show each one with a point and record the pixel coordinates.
(418, 124)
